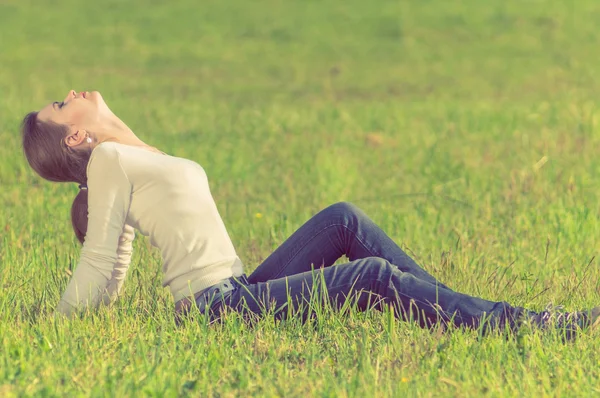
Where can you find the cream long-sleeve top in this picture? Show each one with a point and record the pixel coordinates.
(167, 199)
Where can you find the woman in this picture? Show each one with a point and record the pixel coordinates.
(126, 184)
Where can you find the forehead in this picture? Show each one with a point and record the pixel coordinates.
(48, 112)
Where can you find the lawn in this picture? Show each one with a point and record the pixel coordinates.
(468, 130)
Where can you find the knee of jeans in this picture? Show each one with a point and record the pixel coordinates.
(345, 207)
(376, 274)
(378, 266)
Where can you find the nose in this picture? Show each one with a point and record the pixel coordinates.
(71, 94)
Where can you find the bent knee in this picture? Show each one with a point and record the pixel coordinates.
(345, 207)
(378, 265)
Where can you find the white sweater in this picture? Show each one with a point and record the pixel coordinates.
(164, 197)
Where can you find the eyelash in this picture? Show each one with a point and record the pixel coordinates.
(61, 104)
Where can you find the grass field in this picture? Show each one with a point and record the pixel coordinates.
(468, 130)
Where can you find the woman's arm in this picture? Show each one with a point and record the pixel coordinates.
(109, 196)
(124, 252)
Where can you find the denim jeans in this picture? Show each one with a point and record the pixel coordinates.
(379, 273)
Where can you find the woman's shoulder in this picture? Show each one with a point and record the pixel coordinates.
(104, 150)
(114, 150)
(108, 147)
(104, 154)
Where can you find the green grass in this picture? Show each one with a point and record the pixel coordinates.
(468, 130)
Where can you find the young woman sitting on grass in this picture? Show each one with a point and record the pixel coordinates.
(126, 184)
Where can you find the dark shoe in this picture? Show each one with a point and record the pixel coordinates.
(568, 323)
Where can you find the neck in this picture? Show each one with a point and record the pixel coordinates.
(119, 132)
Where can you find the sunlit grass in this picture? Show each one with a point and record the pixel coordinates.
(467, 130)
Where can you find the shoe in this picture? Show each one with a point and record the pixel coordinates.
(568, 322)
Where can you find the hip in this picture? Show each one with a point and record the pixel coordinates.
(211, 296)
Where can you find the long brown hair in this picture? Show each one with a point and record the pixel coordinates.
(48, 154)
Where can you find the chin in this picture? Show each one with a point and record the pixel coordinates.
(94, 95)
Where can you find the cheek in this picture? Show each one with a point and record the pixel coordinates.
(81, 115)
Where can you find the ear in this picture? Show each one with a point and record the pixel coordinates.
(75, 138)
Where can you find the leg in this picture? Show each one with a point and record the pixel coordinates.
(374, 280)
(340, 229)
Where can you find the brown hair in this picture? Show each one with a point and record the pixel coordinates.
(48, 154)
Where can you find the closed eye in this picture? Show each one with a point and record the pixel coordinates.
(61, 104)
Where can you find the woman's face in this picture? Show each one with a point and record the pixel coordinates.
(82, 110)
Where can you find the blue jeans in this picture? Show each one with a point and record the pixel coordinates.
(379, 273)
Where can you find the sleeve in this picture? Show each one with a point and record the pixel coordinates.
(119, 272)
(109, 196)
